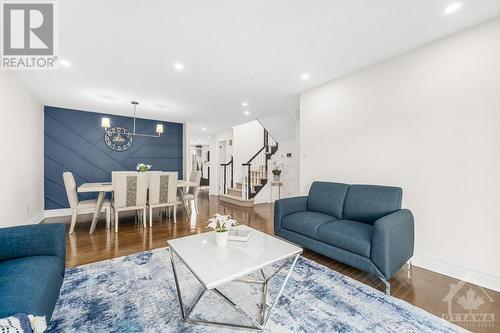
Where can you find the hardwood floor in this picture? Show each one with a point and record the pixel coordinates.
(425, 289)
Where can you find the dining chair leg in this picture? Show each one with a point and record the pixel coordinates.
(116, 220)
(195, 205)
(175, 213)
(108, 217)
(169, 209)
(74, 215)
(144, 222)
(150, 216)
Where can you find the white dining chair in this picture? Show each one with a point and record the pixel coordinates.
(128, 172)
(129, 193)
(192, 193)
(82, 206)
(162, 192)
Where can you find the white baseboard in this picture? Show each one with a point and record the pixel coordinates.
(36, 219)
(482, 279)
(58, 212)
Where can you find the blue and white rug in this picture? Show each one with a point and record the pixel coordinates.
(137, 294)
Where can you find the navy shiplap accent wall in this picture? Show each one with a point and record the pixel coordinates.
(74, 141)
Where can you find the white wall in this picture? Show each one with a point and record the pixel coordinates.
(281, 125)
(21, 154)
(428, 121)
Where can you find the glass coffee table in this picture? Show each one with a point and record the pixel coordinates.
(214, 266)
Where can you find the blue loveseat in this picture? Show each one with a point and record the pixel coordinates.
(359, 225)
(32, 266)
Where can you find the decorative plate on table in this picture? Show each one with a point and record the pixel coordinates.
(118, 138)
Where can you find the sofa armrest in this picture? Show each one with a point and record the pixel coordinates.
(393, 241)
(287, 206)
(32, 240)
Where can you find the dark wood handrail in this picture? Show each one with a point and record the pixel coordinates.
(232, 174)
(254, 156)
(228, 163)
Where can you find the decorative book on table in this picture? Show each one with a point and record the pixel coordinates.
(239, 235)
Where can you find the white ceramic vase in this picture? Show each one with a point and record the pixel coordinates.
(221, 238)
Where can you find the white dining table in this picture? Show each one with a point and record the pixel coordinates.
(103, 188)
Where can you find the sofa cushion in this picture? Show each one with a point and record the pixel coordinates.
(327, 198)
(30, 285)
(349, 235)
(306, 223)
(368, 203)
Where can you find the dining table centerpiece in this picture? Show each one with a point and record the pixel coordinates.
(221, 225)
(141, 167)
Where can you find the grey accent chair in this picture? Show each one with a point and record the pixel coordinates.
(359, 225)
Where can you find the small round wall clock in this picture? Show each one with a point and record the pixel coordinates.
(118, 138)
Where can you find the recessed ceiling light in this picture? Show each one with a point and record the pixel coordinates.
(246, 113)
(178, 66)
(204, 129)
(208, 137)
(64, 63)
(305, 76)
(244, 104)
(452, 8)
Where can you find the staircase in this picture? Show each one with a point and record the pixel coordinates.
(255, 171)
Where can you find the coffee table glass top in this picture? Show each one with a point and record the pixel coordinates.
(215, 265)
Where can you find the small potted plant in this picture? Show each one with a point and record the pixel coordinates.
(276, 169)
(141, 167)
(221, 224)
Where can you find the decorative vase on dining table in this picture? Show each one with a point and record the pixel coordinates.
(221, 238)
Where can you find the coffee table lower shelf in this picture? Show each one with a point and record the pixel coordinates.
(258, 323)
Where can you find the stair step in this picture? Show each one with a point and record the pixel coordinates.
(236, 200)
(237, 191)
(234, 191)
(265, 177)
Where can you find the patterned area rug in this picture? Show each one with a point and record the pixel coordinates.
(137, 294)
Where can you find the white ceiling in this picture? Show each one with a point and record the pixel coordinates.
(232, 51)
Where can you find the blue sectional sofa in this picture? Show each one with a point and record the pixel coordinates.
(32, 266)
(359, 225)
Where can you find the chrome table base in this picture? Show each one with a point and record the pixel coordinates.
(257, 324)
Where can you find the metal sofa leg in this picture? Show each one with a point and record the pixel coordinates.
(410, 267)
(387, 286)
